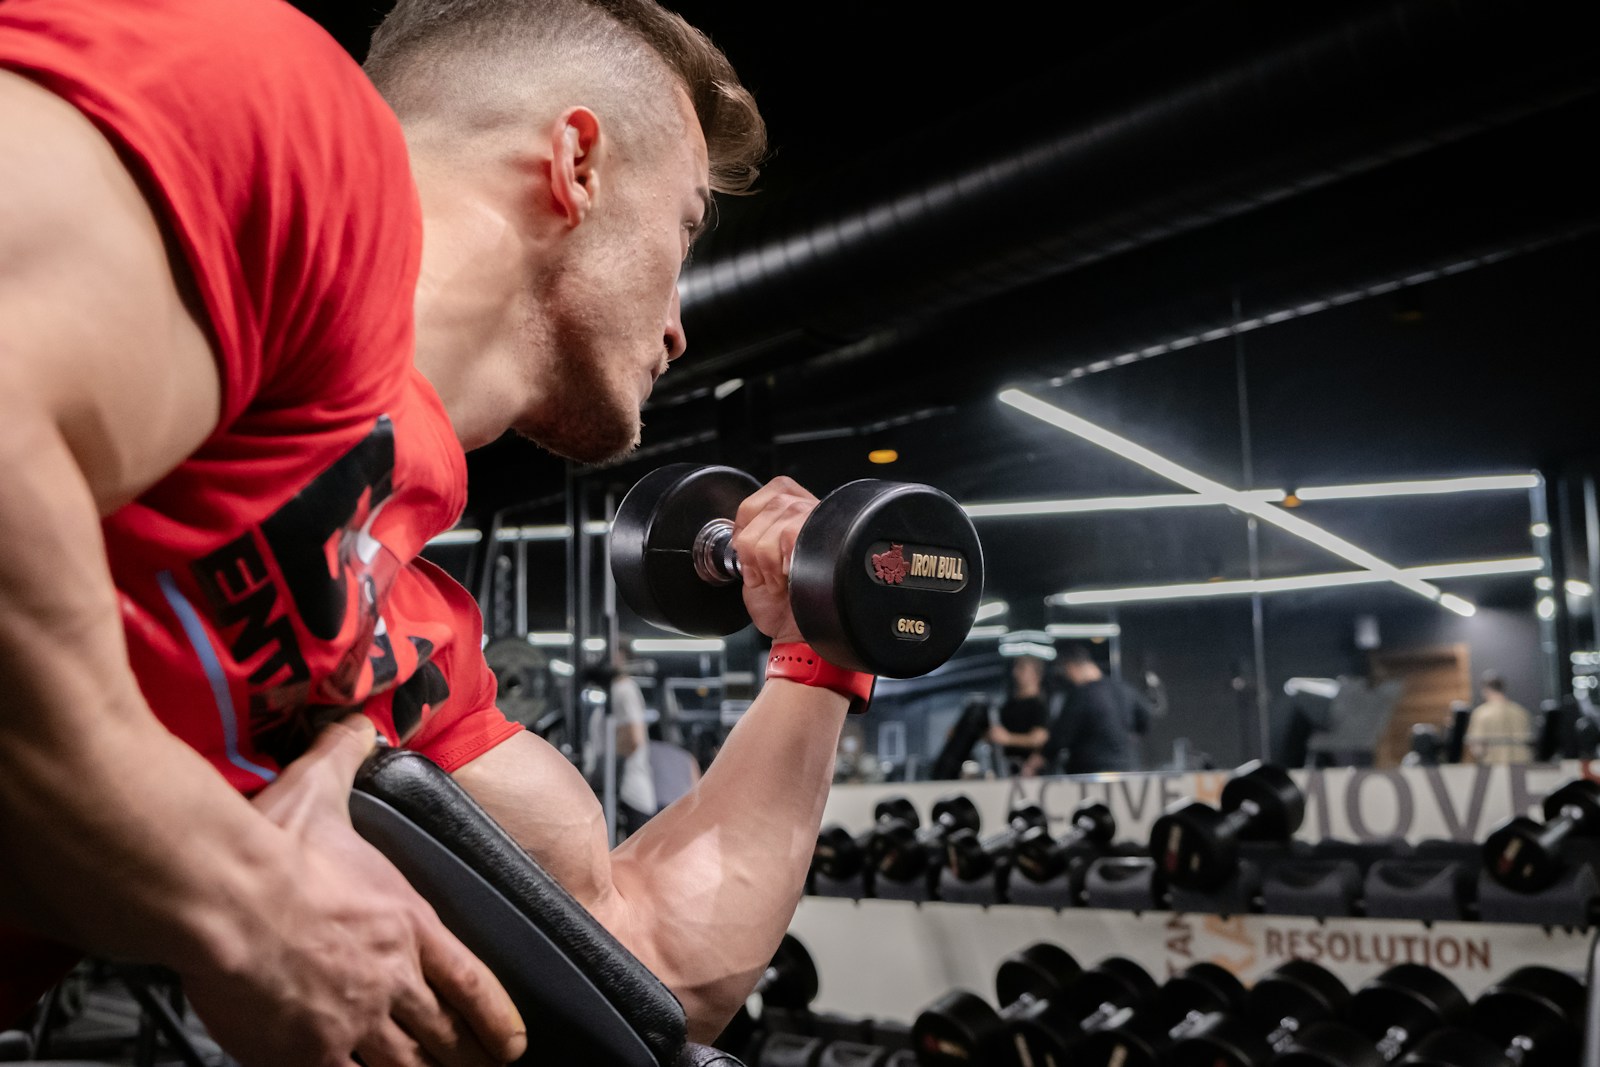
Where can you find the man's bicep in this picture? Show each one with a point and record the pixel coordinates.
(95, 325)
(540, 799)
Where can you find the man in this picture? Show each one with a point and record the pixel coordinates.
(222, 464)
(624, 706)
(1500, 729)
(1099, 719)
(1024, 718)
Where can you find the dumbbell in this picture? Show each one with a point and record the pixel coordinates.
(970, 857)
(1046, 1001)
(1387, 1018)
(1525, 856)
(1284, 1001)
(1040, 857)
(789, 983)
(1531, 1018)
(885, 576)
(902, 851)
(1196, 846)
(840, 855)
(1108, 994)
(797, 1050)
(1184, 1002)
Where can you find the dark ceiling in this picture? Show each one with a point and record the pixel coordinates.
(1379, 218)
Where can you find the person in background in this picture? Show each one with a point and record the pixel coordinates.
(1098, 723)
(1500, 728)
(1023, 725)
(636, 791)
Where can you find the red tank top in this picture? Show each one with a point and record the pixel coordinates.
(273, 578)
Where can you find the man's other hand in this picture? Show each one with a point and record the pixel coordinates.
(355, 961)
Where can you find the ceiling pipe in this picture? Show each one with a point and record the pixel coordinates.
(832, 268)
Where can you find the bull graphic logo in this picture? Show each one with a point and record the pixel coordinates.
(891, 565)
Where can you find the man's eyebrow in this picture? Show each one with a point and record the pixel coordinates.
(705, 215)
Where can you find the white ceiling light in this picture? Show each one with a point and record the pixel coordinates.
(1198, 483)
(1544, 583)
(460, 536)
(978, 633)
(1083, 629)
(668, 644)
(1546, 608)
(1540, 529)
(1106, 503)
(1577, 588)
(1428, 487)
(1247, 587)
(1027, 648)
(991, 609)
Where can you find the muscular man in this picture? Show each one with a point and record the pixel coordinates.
(221, 465)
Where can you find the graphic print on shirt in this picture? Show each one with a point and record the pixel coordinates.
(314, 568)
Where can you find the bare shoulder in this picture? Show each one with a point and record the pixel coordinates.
(95, 323)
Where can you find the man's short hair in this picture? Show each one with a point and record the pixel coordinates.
(475, 48)
(1493, 683)
(1077, 654)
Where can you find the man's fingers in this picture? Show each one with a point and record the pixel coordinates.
(440, 1030)
(464, 984)
(390, 1046)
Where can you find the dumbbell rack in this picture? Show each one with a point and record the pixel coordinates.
(889, 958)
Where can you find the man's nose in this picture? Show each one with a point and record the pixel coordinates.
(674, 339)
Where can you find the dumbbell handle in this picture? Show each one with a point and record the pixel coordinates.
(715, 561)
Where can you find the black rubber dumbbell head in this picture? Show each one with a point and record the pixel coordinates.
(840, 854)
(1040, 857)
(1196, 846)
(1538, 1009)
(1525, 856)
(653, 548)
(1288, 998)
(899, 851)
(1455, 1047)
(1388, 1016)
(970, 856)
(1041, 973)
(1265, 790)
(959, 1029)
(790, 980)
(886, 577)
(1105, 992)
(1195, 993)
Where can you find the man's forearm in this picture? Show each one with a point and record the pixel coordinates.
(712, 882)
(115, 836)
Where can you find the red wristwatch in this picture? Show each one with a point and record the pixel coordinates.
(800, 663)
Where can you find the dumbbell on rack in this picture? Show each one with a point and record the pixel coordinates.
(1047, 1001)
(970, 857)
(1531, 1018)
(1387, 1018)
(789, 984)
(1196, 846)
(1283, 1002)
(841, 856)
(905, 857)
(1184, 1002)
(1040, 857)
(1526, 856)
(885, 576)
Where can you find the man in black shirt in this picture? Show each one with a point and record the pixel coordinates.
(1098, 721)
(1022, 729)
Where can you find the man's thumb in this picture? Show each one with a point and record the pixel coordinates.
(341, 747)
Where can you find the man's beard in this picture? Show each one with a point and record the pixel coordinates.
(587, 421)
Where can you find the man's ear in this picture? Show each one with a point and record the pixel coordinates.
(576, 152)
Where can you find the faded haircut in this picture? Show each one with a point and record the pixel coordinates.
(480, 53)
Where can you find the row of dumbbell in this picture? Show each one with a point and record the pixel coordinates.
(1053, 1011)
(1196, 846)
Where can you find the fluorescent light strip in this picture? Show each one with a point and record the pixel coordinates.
(556, 640)
(1246, 587)
(978, 633)
(991, 609)
(1489, 483)
(1083, 629)
(1106, 503)
(668, 644)
(1159, 464)
(1028, 648)
(464, 536)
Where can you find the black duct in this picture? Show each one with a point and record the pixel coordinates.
(1189, 129)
